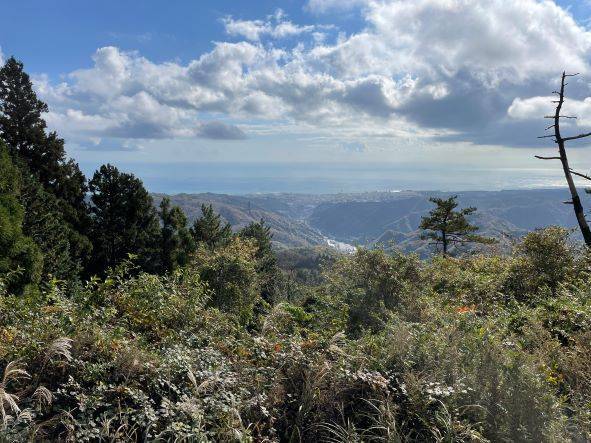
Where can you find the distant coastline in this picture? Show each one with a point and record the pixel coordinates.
(322, 178)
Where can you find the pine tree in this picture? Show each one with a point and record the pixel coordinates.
(124, 221)
(266, 259)
(42, 155)
(176, 241)
(209, 228)
(23, 130)
(20, 258)
(445, 226)
(45, 224)
(21, 125)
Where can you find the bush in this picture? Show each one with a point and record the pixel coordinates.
(382, 348)
(230, 273)
(373, 284)
(542, 261)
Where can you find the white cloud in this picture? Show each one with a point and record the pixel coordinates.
(323, 6)
(497, 39)
(418, 68)
(276, 26)
(530, 108)
(534, 108)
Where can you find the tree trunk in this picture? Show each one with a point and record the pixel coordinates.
(576, 201)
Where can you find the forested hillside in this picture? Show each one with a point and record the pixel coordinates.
(127, 318)
(387, 218)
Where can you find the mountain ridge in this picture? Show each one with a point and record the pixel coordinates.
(369, 218)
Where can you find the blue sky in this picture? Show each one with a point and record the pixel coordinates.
(456, 83)
(60, 36)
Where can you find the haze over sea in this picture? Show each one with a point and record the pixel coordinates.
(320, 178)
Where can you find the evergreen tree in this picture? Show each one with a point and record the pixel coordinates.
(42, 155)
(445, 226)
(20, 258)
(21, 125)
(176, 241)
(209, 228)
(124, 220)
(45, 224)
(265, 256)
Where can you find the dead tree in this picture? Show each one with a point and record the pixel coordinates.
(568, 172)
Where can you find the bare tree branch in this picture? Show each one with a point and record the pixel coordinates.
(580, 175)
(577, 136)
(546, 158)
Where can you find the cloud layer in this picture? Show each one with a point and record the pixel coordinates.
(464, 70)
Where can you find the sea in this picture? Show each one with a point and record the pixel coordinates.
(325, 178)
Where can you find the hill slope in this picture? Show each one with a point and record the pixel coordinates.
(299, 220)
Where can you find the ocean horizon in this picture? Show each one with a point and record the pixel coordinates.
(323, 178)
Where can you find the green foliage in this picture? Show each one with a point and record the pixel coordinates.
(20, 259)
(476, 281)
(42, 156)
(21, 125)
(305, 265)
(373, 285)
(447, 227)
(124, 220)
(209, 228)
(267, 268)
(383, 347)
(230, 272)
(45, 224)
(159, 307)
(176, 242)
(544, 259)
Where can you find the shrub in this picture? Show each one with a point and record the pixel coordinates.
(230, 273)
(373, 284)
(543, 260)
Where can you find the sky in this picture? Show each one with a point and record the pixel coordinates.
(419, 91)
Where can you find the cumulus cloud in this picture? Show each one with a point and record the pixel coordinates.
(535, 107)
(276, 26)
(530, 108)
(454, 69)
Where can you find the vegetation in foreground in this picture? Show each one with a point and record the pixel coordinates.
(382, 348)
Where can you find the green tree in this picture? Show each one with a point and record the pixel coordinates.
(230, 273)
(266, 258)
(373, 285)
(210, 229)
(21, 125)
(124, 220)
(445, 226)
(43, 155)
(45, 224)
(176, 242)
(544, 258)
(20, 258)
